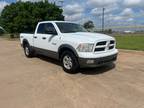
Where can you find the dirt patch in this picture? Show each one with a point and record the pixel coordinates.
(41, 83)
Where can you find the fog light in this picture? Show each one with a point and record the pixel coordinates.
(90, 61)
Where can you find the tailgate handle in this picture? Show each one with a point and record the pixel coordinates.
(44, 38)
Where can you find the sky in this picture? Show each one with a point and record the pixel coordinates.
(117, 12)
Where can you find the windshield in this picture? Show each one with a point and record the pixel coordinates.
(70, 27)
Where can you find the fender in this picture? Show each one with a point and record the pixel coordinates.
(68, 47)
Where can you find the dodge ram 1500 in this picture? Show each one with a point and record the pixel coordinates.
(71, 44)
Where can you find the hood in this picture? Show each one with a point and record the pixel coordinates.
(87, 37)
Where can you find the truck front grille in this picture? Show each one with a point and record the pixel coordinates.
(104, 45)
(111, 47)
(101, 43)
(112, 42)
(99, 49)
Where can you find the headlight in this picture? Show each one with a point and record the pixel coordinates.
(85, 47)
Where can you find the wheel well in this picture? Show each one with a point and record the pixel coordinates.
(65, 49)
(25, 42)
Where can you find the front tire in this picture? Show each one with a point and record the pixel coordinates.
(28, 51)
(69, 62)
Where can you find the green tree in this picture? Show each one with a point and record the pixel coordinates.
(24, 16)
(89, 25)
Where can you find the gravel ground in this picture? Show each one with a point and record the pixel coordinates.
(41, 83)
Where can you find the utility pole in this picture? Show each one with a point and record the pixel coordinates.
(103, 19)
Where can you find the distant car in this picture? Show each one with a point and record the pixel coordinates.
(2, 30)
(71, 44)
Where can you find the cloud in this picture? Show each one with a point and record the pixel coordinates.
(130, 19)
(98, 11)
(73, 9)
(101, 3)
(2, 5)
(133, 3)
(117, 18)
(116, 11)
(74, 17)
(73, 12)
(128, 12)
(126, 15)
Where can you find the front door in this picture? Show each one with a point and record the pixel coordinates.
(46, 37)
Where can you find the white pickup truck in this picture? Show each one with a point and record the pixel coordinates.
(71, 44)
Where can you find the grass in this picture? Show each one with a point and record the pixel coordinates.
(130, 41)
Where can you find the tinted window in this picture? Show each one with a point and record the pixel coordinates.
(41, 29)
(46, 28)
(70, 27)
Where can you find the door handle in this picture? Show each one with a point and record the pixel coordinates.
(44, 38)
(35, 37)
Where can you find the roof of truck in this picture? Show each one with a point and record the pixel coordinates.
(54, 21)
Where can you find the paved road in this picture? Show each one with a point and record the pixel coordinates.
(41, 82)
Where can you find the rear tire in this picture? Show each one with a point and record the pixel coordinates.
(69, 62)
(28, 51)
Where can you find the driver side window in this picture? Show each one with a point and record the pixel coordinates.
(46, 28)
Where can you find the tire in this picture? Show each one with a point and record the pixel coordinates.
(69, 62)
(28, 51)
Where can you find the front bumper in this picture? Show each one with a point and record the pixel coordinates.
(96, 62)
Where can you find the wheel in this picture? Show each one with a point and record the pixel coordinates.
(28, 51)
(69, 62)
